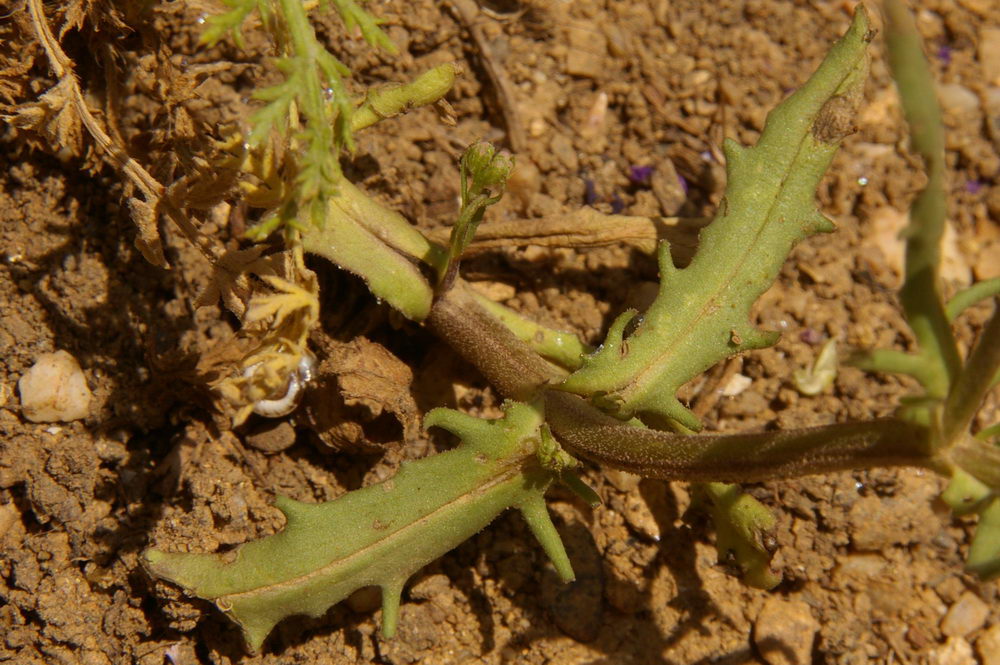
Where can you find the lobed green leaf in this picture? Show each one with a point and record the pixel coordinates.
(700, 315)
(379, 535)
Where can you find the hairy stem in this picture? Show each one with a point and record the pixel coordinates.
(482, 339)
(518, 373)
(740, 457)
(972, 295)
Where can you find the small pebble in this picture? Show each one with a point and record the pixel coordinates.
(622, 480)
(988, 646)
(956, 651)
(583, 63)
(54, 389)
(958, 99)
(784, 632)
(991, 104)
(639, 516)
(562, 148)
(525, 181)
(965, 616)
(989, 54)
(737, 384)
(667, 187)
(8, 516)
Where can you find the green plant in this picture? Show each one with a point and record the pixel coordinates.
(615, 406)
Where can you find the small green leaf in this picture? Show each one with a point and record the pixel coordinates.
(484, 172)
(580, 488)
(386, 102)
(921, 293)
(965, 494)
(230, 22)
(536, 514)
(987, 433)
(551, 455)
(353, 16)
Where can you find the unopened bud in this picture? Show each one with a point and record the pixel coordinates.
(487, 167)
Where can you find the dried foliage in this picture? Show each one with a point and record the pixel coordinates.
(188, 170)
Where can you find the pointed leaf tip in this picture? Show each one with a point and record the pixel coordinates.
(536, 514)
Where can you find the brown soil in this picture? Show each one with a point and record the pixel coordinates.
(870, 561)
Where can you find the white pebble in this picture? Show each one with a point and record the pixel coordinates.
(737, 383)
(956, 651)
(54, 389)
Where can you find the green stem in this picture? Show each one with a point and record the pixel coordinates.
(974, 382)
(744, 532)
(427, 88)
(920, 295)
(304, 45)
(891, 361)
(518, 373)
(970, 296)
(563, 348)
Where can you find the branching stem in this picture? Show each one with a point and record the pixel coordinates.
(518, 373)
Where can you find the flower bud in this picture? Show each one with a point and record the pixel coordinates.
(488, 167)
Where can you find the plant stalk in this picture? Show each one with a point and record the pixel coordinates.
(976, 379)
(482, 339)
(980, 459)
(921, 292)
(518, 373)
(741, 457)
